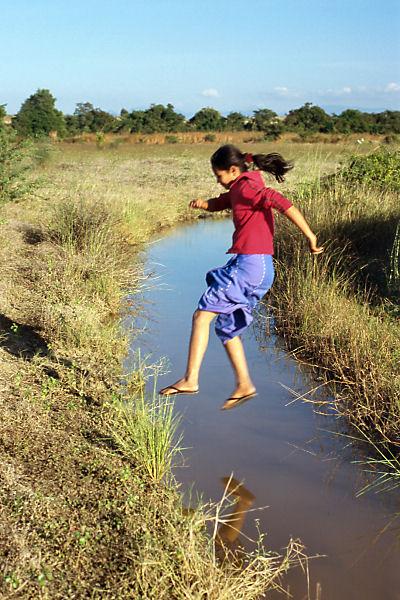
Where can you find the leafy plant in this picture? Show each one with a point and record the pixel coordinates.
(380, 169)
(15, 165)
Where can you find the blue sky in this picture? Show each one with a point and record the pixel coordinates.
(232, 55)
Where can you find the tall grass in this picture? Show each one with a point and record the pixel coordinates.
(332, 308)
(145, 430)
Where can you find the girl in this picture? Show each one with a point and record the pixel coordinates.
(235, 288)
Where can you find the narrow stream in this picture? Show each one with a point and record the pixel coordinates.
(286, 456)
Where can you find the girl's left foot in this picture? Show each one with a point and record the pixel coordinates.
(240, 395)
(182, 386)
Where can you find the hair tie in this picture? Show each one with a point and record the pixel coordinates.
(248, 158)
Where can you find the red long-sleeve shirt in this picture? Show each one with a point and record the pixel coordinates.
(251, 203)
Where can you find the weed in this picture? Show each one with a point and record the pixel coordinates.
(146, 432)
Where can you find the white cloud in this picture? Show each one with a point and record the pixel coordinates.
(281, 90)
(336, 92)
(392, 87)
(210, 93)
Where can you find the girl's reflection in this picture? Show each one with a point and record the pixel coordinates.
(228, 532)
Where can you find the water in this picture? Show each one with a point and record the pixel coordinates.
(285, 456)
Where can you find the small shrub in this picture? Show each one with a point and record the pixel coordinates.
(209, 137)
(100, 139)
(171, 139)
(15, 164)
(43, 151)
(380, 169)
(82, 225)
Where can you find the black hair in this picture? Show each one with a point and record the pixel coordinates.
(229, 155)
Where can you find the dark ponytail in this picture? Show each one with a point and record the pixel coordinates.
(273, 163)
(228, 156)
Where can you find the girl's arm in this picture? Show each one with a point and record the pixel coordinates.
(221, 203)
(294, 215)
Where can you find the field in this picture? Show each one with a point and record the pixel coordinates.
(88, 508)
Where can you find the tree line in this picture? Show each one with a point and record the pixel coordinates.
(38, 116)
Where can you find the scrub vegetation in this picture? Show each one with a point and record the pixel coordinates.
(89, 504)
(340, 311)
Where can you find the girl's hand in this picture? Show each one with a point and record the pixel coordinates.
(202, 204)
(314, 249)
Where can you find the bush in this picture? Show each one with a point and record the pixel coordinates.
(15, 164)
(380, 169)
(82, 225)
(43, 151)
(209, 137)
(171, 139)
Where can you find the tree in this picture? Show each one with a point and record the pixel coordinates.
(309, 118)
(135, 121)
(235, 121)
(267, 120)
(263, 118)
(387, 121)
(353, 121)
(38, 115)
(160, 118)
(208, 119)
(87, 118)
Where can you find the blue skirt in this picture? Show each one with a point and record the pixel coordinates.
(234, 290)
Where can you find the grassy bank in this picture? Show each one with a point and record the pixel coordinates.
(88, 506)
(340, 311)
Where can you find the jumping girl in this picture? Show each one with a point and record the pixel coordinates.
(235, 288)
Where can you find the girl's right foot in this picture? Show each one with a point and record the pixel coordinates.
(182, 386)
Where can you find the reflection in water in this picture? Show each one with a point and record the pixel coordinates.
(228, 532)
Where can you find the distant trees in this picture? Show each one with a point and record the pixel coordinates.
(157, 118)
(267, 121)
(39, 116)
(87, 118)
(353, 121)
(387, 122)
(235, 121)
(207, 119)
(308, 118)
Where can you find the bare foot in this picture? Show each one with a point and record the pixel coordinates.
(181, 386)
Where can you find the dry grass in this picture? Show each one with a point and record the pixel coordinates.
(336, 310)
(219, 137)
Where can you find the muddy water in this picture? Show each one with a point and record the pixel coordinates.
(285, 456)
